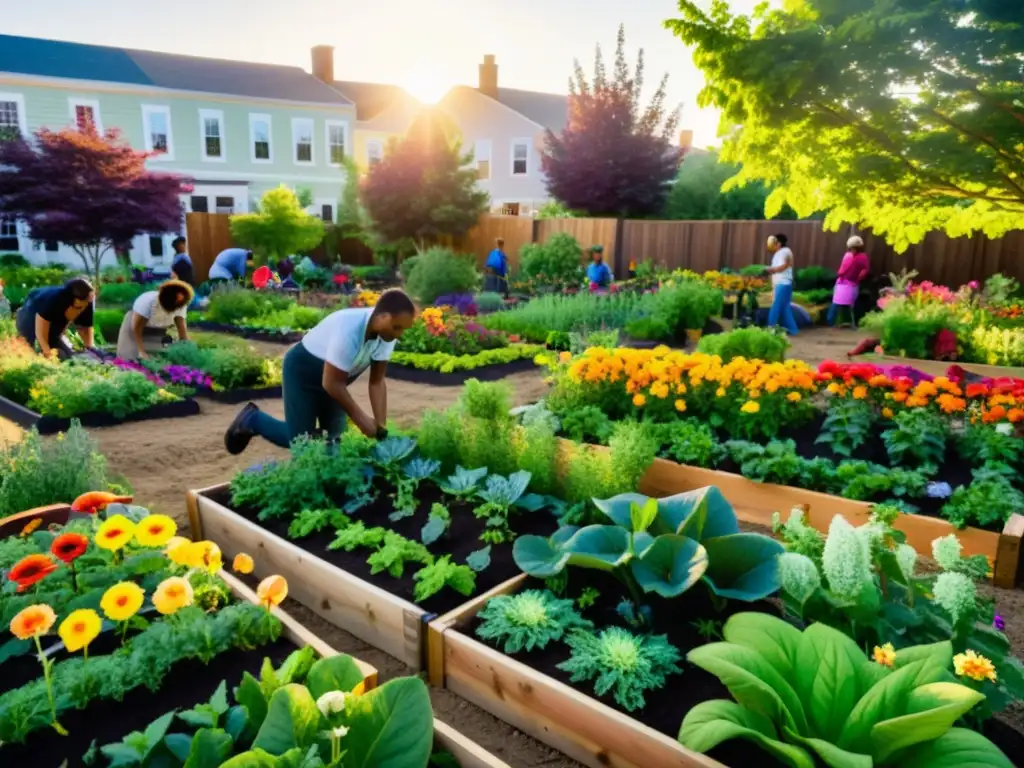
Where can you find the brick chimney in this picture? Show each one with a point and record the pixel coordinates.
(489, 77)
(323, 63)
(686, 140)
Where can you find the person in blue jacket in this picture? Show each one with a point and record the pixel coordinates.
(230, 265)
(598, 273)
(496, 269)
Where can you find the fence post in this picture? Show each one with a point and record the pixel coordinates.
(617, 266)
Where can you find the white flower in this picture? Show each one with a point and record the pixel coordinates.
(956, 594)
(846, 560)
(906, 559)
(339, 732)
(799, 576)
(1006, 428)
(331, 702)
(946, 552)
(872, 534)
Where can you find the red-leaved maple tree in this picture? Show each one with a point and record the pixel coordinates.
(90, 191)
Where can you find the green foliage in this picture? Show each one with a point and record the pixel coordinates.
(849, 711)
(814, 278)
(988, 501)
(664, 314)
(557, 261)
(587, 424)
(486, 400)
(697, 193)
(230, 364)
(489, 302)
(847, 426)
(990, 449)
(107, 323)
(908, 329)
(310, 521)
(432, 578)
(447, 363)
(751, 343)
(439, 271)
(233, 305)
(918, 436)
(528, 620)
(437, 524)
(621, 662)
(395, 552)
(280, 228)
(499, 495)
(121, 294)
(358, 536)
(849, 143)
(9, 260)
(78, 387)
(692, 442)
(37, 472)
(996, 346)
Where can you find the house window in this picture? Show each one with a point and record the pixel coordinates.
(259, 138)
(520, 157)
(52, 246)
(302, 140)
(9, 235)
(482, 153)
(337, 140)
(156, 123)
(199, 204)
(327, 212)
(510, 209)
(374, 152)
(211, 126)
(225, 205)
(156, 246)
(85, 114)
(12, 115)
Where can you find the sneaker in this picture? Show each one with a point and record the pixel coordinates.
(238, 435)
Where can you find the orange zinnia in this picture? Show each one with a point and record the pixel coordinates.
(69, 546)
(95, 501)
(31, 569)
(33, 621)
(272, 591)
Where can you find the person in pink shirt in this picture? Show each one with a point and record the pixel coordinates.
(852, 271)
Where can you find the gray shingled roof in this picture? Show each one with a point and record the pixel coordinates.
(55, 58)
(371, 98)
(550, 110)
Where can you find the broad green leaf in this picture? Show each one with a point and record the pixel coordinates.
(237, 721)
(960, 748)
(250, 695)
(296, 666)
(743, 566)
(931, 712)
(641, 516)
(884, 701)
(753, 682)
(121, 754)
(618, 508)
(539, 556)
(210, 748)
(389, 727)
(827, 679)
(531, 502)
(336, 673)
(292, 721)
(202, 716)
(156, 730)
(712, 722)
(219, 699)
(14, 647)
(700, 514)
(258, 758)
(937, 654)
(604, 547)
(670, 566)
(777, 640)
(830, 754)
(179, 745)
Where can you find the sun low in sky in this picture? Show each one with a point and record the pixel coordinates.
(425, 86)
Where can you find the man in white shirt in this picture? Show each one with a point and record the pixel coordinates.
(781, 271)
(318, 370)
(145, 326)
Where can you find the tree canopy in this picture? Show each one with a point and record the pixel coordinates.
(92, 192)
(905, 116)
(615, 157)
(280, 226)
(425, 186)
(698, 195)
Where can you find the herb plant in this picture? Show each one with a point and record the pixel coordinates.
(310, 521)
(991, 449)
(587, 424)
(694, 443)
(395, 552)
(847, 426)
(918, 436)
(357, 536)
(442, 572)
(988, 501)
(528, 620)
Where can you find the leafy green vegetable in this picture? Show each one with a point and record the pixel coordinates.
(310, 521)
(528, 620)
(432, 578)
(918, 435)
(389, 727)
(357, 536)
(499, 495)
(437, 525)
(847, 426)
(479, 560)
(395, 552)
(464, 483)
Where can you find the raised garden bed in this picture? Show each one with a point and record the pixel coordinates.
(338, 585)
(940, 367)
(256, 334)
(433, 378)
(49, 425)
(235, 396)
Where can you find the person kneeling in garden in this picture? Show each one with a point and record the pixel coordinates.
(598, 274)
(145, 326)
(318, 370)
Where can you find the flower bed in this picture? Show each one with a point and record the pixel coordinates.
(577, 671)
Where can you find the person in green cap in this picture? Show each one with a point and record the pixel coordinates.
(598, 274)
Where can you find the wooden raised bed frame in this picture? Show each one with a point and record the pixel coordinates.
(939, 367)
(394, 625)
(551, 712)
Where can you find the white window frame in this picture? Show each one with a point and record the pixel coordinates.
(297, 124)
(255, 117)
(512, 157)
(147, 134)
(377, 144)
(478, 156)
(218, 115)
(343, 124)
(19, 100)
(93, 104)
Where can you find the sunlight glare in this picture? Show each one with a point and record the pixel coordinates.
(425, 87)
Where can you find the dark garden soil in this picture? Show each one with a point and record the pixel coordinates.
(18, 671)
(237, 396)
(462, 539)
(256, 334)
(189, 683)
(665, 707)
(458, 378)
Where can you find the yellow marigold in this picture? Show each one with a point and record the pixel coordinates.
(887, 412)
(639, 400)
(205, 555)
(172, 595)
(272, 591)
(659, 390)
(564, 357)
(720, 392)
(794, 397)
(79, 629)
(122, 601)
(155, 530)
(860, 392)
(885, 655)
(115, 532)
(680, 405)
(973, 665)
(751, 406)
(833, 388)
(177, 550)
(242, 563)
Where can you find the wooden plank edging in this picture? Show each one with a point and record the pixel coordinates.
(468, 753)
(939, 367)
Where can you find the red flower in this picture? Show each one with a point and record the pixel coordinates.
(30, 569)
(95, 501)
(976, 390)
(69, 546)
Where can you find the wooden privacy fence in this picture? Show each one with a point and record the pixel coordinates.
(208, 234)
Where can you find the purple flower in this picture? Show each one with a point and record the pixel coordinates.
(939, 490)
(998, 623)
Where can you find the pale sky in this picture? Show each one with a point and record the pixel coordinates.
(424, 46)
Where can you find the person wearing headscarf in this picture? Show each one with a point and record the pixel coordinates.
(145, 325)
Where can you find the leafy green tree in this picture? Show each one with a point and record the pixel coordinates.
(698, 193)
(902, 115)
(279, 228)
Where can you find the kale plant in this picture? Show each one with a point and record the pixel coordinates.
(310, 521)
(528, 620)
(395, 552)
(464, 483)
(413, 473)
(500, 495)
(432, 578)
(617, 659)
(847, 426)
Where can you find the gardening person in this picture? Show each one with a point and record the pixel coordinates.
(230, 265)
(145, 326)
(181, 262)
(781, 271)
(47, 313)
(852, 271)
(318, 370)
(598, 274)
(496, 269)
